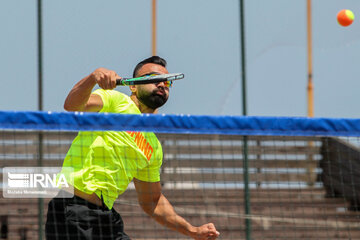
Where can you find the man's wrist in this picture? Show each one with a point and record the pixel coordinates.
(192, 231)
(92, 79)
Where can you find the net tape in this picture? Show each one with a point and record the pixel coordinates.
(195, 124)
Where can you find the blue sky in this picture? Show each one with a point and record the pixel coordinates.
(200, 38)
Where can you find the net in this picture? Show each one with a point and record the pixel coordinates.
(253, 177)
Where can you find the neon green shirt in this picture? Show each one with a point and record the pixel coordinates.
(105, 162)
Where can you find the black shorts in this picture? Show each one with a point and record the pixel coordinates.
(76, 218)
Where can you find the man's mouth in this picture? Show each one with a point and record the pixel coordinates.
(160, 92)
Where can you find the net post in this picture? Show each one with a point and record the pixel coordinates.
(40, 108)
(40, 200)
(244, 109)
(246, 188)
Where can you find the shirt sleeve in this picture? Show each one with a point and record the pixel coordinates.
(113, 101)
(149, 174)
(105, 97)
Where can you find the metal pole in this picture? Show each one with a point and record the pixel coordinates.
(244, 108)
(243, 60)
(246, 188)
(153, 38)
(40, 90)
(40, 108)
(310, 88)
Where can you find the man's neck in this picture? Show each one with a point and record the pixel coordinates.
(143, 108)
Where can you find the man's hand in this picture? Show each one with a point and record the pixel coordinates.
(105, 78)
(206, 232)
(80, 97)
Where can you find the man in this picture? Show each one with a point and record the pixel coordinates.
(106, 162)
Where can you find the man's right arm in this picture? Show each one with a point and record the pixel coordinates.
(80, 97)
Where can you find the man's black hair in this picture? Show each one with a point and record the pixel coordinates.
(154, 59)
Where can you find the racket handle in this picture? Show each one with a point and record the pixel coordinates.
(121, 81)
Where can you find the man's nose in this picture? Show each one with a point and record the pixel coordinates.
(160, 84)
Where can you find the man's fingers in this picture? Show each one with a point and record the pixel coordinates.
(116, 77)
(213, 234)
(105, 78)
(99, 76)
(211, 227)
(113, 79)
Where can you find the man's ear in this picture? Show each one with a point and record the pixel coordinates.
(132, 88)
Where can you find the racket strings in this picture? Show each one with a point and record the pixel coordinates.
(167, 83)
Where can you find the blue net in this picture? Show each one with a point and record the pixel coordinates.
(277, 177)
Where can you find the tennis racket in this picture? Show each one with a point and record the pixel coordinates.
(166, 78)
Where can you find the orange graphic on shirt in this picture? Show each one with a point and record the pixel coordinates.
(142, 144)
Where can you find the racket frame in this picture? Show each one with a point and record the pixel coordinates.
(149, 79)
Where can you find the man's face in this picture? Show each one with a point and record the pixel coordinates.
(153, 95)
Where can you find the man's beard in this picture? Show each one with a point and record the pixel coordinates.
(151, 99)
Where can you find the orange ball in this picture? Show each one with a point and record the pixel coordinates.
(345, 17)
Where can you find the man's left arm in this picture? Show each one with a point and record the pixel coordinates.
(155, 204)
